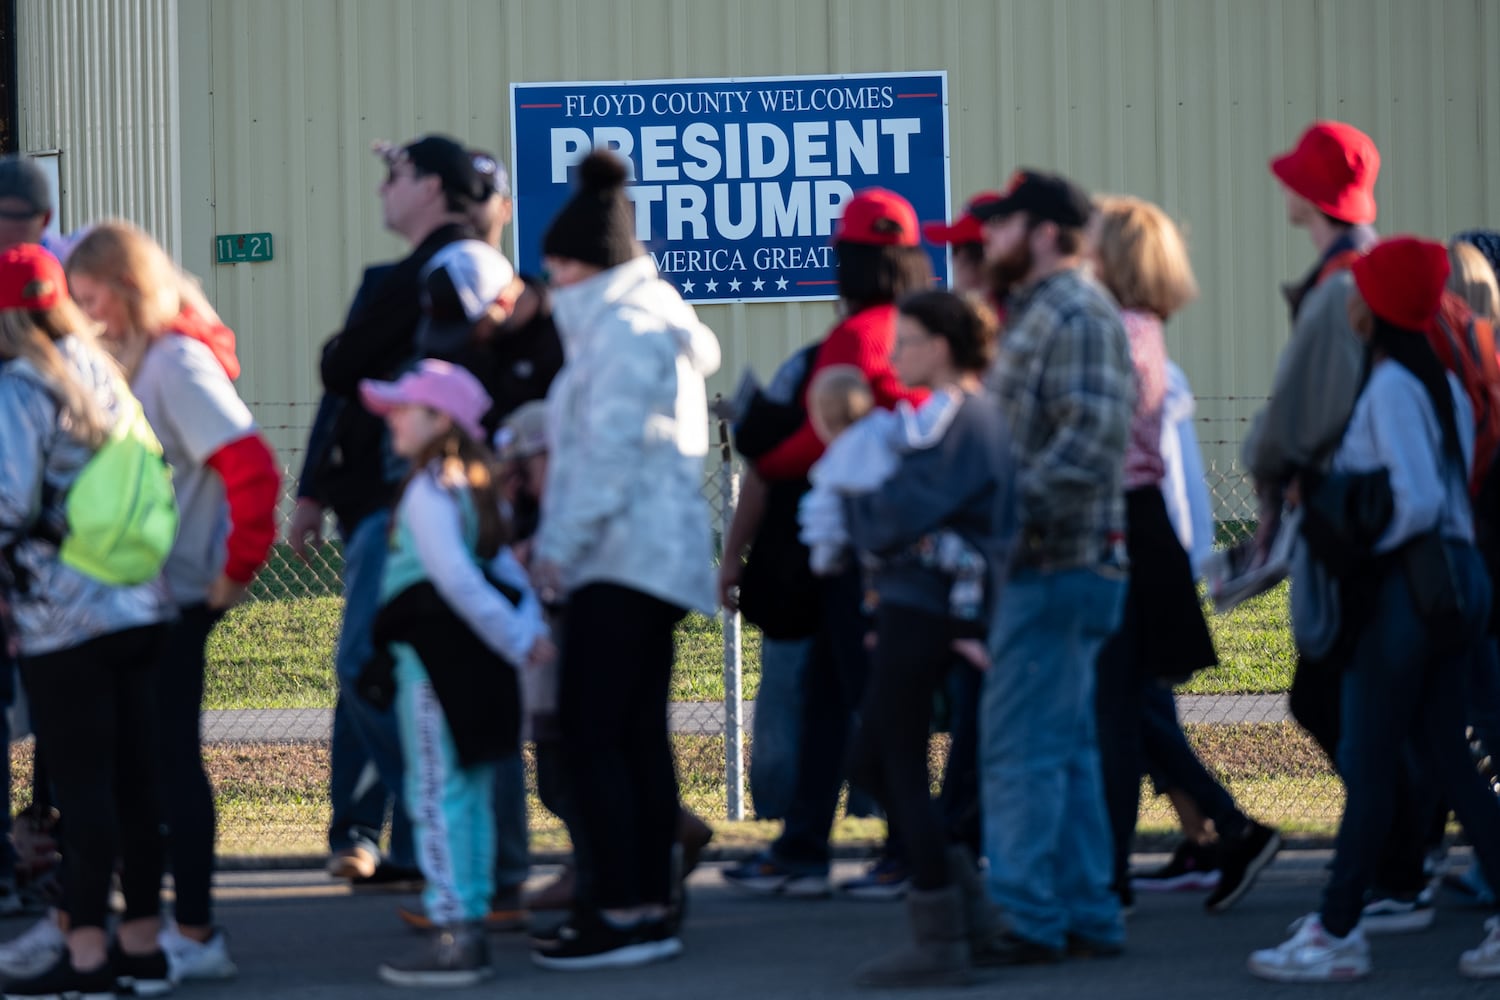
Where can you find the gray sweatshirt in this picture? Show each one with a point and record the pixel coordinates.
(963, 482)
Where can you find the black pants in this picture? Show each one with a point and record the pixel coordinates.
(189, 798)
(94, 707)
(1316, 702)
(617, 656)
(889, 754)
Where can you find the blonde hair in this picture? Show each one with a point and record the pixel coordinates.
(462, 461)
(1471, 278)
(124, 257)
(33, 335)
(840, 395)
(1142, 258)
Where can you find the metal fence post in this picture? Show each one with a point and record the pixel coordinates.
(734, 735)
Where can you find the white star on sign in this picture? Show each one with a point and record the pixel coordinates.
(687, 285)
(712, 286)
(757, 284)
(734, 285)
(781, 284)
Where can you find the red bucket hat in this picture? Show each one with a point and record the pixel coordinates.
(1334, 166)
(1402, 280)
(879, 217)
(966, 228)
(30, 278)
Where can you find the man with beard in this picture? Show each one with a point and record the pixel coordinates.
(1064, 381)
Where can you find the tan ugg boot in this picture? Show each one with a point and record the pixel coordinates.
(939, 952)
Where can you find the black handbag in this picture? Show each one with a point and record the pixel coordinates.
(1435, 591)
(1344, 515)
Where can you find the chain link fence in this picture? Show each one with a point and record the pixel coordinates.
(270, 692)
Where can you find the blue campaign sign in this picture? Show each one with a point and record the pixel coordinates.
(736, 183)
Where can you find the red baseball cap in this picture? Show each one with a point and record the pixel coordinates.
(879, 217)
(30, 278)
(1334, 166)
(1402, 280)
(966, 228)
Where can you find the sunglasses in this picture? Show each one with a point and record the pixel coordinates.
(17, 215)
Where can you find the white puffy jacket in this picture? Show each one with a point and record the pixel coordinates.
(628, 428)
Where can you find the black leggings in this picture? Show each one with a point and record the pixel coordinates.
(189, 798)
(889, 754)
(616, 669)
(94, 707)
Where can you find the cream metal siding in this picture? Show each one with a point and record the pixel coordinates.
(1181, 101)
(97, 80)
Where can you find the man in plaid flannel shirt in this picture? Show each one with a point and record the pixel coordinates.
(1065, 382)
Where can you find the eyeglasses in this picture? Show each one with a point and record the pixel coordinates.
(904, 342)
(17, 215)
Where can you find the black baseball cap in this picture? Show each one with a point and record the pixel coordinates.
(23, 179)
(448, 161)
(1045, 197)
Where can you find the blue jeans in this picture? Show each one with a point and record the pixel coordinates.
(362, 734)
(1403, 710)
(1484, 694)
(1045, 831)
(512, 848)
(776, 734)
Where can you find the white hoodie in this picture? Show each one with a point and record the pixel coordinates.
(628, 429)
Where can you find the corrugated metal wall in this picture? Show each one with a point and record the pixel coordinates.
(97, 80)
(1181, 101)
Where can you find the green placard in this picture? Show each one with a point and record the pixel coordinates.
(243, 248)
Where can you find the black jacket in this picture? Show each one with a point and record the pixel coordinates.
(475, 686)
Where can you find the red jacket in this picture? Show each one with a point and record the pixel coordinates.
(864, 340)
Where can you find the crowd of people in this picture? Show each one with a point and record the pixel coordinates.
(986, 499)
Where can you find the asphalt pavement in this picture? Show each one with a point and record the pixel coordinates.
(297, 934)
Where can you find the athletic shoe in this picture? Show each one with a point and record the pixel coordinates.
(353, 863)
(1086, 947)
(60, 979)
(34, 952)
(594, 943)
(390, 878)
(886, 881)
(765, 876)
(555, 895)
(148, 975)
(192, 959)
(1471, 885)
(507, 913)
(1385, 914)
(1241, 859)
(1483, 962)
(1010, 948)
(453, 957)
(1312, 955)
(1193, 867)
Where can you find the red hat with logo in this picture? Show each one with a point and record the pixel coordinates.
(878, 217)
(1334, 166)
(30, 278)
(1402, 280)
(966, 228)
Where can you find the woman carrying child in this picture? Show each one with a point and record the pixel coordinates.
(955, 479)
(459, 619)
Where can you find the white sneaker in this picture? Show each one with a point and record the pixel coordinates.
(191, 959)
(1390, 915)
(1313, 955)
(34, 952)
(1483, 962)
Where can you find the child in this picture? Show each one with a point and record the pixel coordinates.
(864, 446)
(458, 617)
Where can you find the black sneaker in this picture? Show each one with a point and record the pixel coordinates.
(146, 975)
(594, 943)
(390, 878)
(453, 957)
(1009, 948)
(1087, 947)
(1193, 867)
(1240, 862)
(62, 980)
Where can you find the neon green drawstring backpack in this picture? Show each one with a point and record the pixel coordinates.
(121, 511)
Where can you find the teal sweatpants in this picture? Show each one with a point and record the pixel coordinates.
(451, 807)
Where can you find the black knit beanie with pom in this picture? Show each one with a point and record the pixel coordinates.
(597, 226)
